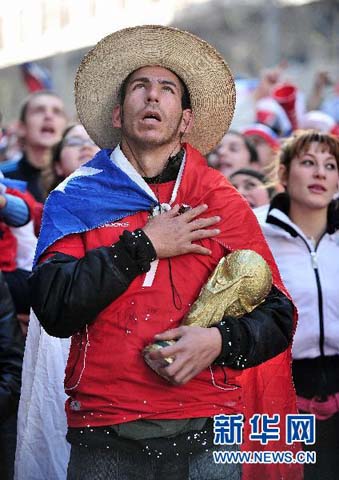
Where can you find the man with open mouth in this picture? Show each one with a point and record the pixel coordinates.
(126, 245)
(42, 121)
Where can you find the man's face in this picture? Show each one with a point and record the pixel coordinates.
(151, 114)
(44, 122)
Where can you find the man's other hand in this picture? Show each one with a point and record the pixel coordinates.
(196, 349)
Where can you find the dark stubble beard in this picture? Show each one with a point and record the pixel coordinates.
(168, 140)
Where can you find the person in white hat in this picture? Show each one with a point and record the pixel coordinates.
(128, 241)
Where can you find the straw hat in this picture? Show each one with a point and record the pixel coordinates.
(203, 70)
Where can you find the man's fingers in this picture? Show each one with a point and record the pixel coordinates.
(199, 250)
(200, 234)
(179, 372)
(204, 222)
(173, 212)
(172, 334)
(164, 352)
(194, 212)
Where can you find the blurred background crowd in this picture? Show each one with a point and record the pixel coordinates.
(287, 117)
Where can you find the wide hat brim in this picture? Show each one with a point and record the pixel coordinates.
(203, 70)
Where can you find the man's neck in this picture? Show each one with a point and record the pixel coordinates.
(38, 157)
(149, 162)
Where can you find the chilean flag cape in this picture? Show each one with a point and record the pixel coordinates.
(100, 192)
(96, 193)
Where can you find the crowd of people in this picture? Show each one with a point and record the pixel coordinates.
(110, 226)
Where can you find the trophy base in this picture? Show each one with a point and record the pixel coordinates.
(159, 363)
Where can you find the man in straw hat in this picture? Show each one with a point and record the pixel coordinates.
(128, 241)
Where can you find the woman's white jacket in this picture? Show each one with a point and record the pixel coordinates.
(311, 275)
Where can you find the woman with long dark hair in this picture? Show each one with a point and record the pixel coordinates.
(74, 149)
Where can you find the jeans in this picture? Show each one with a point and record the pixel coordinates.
(186, 456)
(97, 463)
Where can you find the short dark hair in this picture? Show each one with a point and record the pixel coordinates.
(271, 190)
(26, 102)
(185, 98)
(300, 142)
(56, 155)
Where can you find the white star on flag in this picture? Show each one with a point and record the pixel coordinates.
(79, 172)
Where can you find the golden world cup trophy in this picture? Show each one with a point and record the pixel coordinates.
(239, 283)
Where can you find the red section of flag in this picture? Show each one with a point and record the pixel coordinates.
(35, 77)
